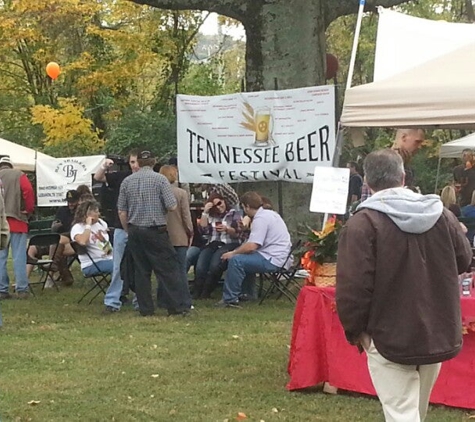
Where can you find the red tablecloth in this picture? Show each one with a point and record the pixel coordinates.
(320, 353)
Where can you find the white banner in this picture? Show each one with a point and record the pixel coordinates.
(404, 41)
(55, 176)
(257, 136)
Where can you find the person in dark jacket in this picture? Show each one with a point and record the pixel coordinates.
(397, 291)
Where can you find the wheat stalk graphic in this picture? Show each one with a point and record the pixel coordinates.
(249, 123)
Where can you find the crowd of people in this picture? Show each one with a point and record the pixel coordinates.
(148, 227)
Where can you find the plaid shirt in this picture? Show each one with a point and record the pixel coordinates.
(231, 219)
(226, 192)
(146, 196)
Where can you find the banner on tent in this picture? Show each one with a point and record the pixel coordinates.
(258, 136)
(55, 176)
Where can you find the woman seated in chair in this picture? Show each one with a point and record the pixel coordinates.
(221, 224)
(90, 231)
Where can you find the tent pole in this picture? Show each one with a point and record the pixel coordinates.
(355, 44)
(437, 176)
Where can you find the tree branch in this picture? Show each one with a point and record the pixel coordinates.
(235, 9)
(339, 8)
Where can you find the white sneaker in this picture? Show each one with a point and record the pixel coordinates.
(49, 283)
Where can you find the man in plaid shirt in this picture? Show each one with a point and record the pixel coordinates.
(144, 200)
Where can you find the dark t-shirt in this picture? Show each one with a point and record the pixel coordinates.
(466, 178)
(66, 216)
(356, 183)
(109, 196)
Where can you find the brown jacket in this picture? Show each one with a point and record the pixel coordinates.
(402, 288)
(180, 227)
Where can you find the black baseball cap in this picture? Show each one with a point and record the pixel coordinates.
(145, 154)
(72, 196)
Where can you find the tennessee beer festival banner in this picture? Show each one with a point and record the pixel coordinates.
(256, 136)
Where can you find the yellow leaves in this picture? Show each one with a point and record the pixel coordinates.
(67, 125)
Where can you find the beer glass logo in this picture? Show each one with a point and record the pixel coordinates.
(259, 121)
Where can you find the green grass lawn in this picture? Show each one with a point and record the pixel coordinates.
(81, 365)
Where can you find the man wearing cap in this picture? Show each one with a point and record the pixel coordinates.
(62, 224)
(65, 215)
(144, 200)
(19, 203)
(113, 181)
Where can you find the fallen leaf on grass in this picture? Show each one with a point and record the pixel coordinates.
(235, 337)
(172, 412)
(275, 410)
(241, 416)
(154, 346)
(34, 402)
(152, 396)
(155, 375)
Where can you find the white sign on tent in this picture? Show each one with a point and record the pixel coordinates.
(55, 176)
(246, 137)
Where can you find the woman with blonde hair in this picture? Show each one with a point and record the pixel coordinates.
(449, 199)
(179, 224)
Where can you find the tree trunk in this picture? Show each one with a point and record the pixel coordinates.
(285, 42)
(285, 38)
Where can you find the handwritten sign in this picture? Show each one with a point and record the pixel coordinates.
(330, 190)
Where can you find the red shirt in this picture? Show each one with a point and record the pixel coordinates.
(17, 226)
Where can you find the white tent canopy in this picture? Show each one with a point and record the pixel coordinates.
(421, 40)
(23, 158)
(454, 149)
(438, 93)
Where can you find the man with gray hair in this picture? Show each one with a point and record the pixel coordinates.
(397, 290)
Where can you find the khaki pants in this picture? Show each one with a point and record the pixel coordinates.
(403, 390)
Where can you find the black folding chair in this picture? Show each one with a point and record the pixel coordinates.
(101, 279)
(45, 266)
(281, 281)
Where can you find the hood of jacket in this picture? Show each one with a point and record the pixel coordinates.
(410, 211)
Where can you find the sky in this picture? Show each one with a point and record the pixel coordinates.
(210, 27)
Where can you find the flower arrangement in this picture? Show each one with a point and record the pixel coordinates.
(320, 251)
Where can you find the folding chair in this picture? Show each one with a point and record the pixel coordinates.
(44, 265)
(101, 279)
(281, 280)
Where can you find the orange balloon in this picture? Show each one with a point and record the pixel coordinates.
(53, 70)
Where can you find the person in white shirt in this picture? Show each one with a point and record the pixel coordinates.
(91, 231)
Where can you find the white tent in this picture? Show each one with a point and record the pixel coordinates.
(454, 149)
(23, 158)
(438, 93)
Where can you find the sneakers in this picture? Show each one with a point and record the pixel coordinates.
(4, 296)
(223, 304)
(110, 310)
(23, 295)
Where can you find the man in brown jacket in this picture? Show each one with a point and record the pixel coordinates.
(397, 290)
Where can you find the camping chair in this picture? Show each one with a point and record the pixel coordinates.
(281, 280)
(101, 279)
(45, 266)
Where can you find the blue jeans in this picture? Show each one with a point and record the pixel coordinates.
(192, 257)
(18, 243)
(181, 252)
(104, 265)
(238, 267)
(112, 297)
